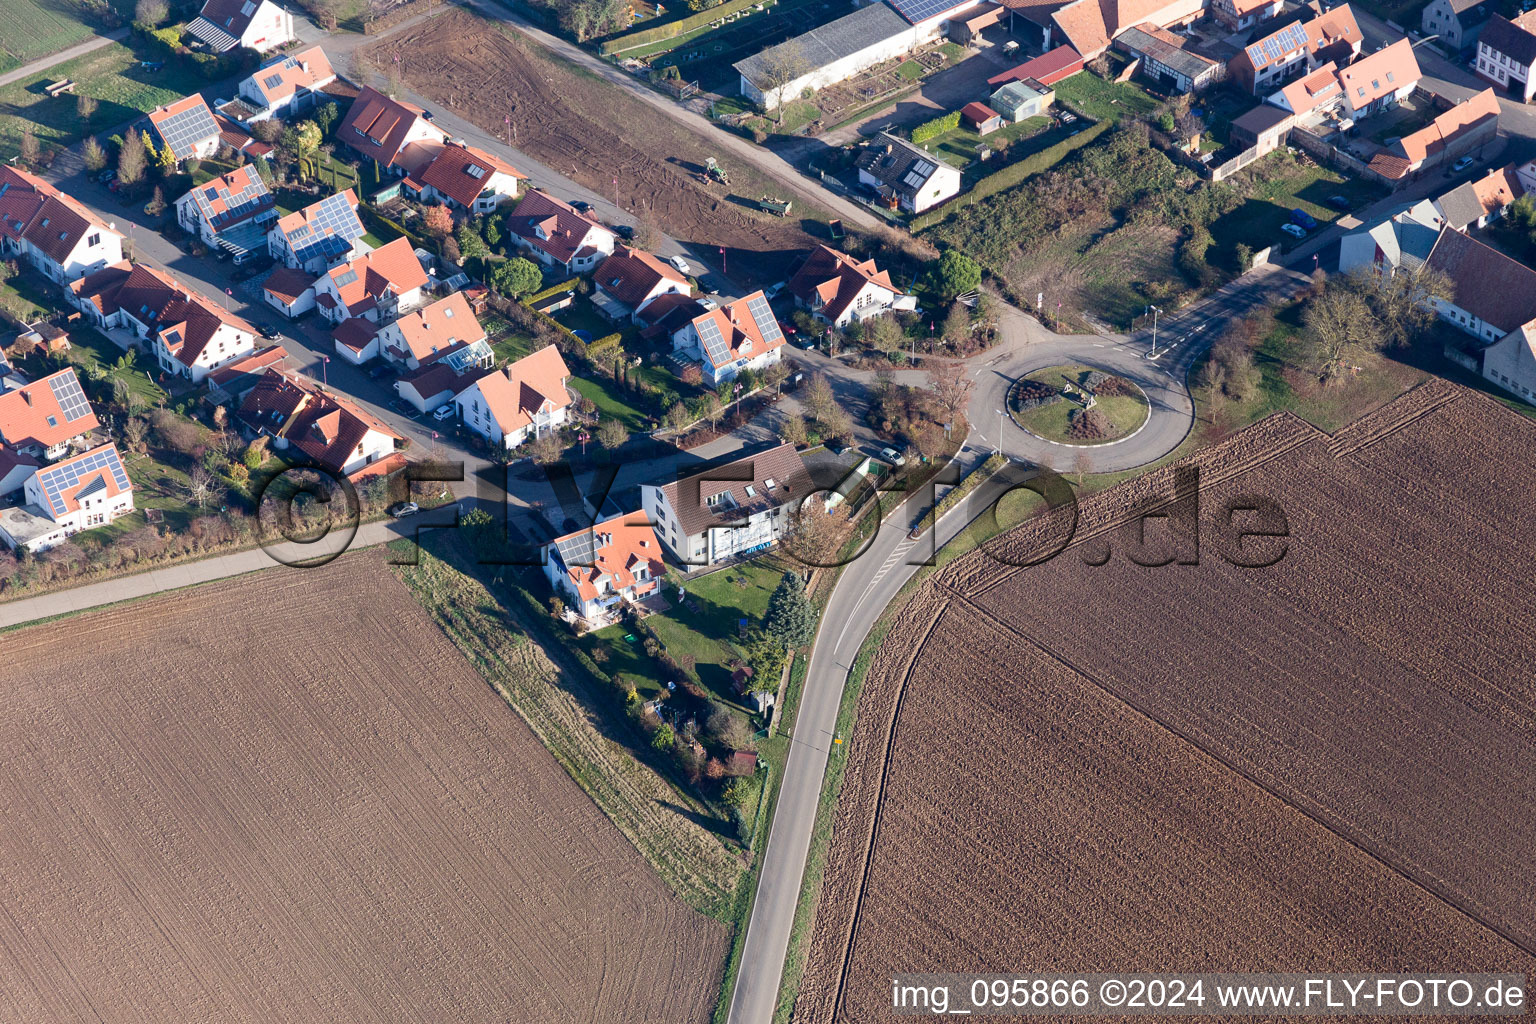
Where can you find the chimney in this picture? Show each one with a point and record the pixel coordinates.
(27, 397)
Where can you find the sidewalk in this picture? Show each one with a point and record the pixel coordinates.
(90, 45)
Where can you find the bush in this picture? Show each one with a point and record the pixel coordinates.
(645, 36)
(938, 126)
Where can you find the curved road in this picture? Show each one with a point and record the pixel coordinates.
(873, 580)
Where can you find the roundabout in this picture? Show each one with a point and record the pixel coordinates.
(1077, 405)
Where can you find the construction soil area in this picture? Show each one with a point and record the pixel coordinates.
(594, 132)
(1326, 764)
(289, 798)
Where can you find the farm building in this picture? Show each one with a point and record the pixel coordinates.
(906, 175)
(1165, 60)
(260, 25)
(982, 118)
(1263, 128)
(1019, 100)
(1047, 69)
(825, 56)
(1492, 295)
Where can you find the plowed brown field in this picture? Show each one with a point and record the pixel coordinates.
(1328, 764)
(592, 131)
(288, 798)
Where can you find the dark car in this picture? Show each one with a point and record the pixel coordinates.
(378, 371)
(1340, 202)
(579, 206)
(404, 408)
(1302, 219)
(625, 231)
(270, 333)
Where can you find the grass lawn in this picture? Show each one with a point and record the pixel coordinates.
(29, 288)
(93, 349)
(611, 402)
(1104, 100)
(111, 76)
(959, 146)
(1285, 184)
(35, 30)
(1125, 413)
(911, 70)
(508, 344)
(581, 315)
(709, 634)
(1100, 266)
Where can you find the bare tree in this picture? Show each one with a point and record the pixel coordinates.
(819, 399)
(778, 68)
(951, 388)
(199, 485)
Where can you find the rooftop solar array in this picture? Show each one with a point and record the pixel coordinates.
(1270, 49)
(238, 205)
(331, 228)
(66, 476)
(921, 10)
(767, 326)
(346, 277)
(183, 131)
(579, 549)
(714, 344)
(66, 391)
(919, 173)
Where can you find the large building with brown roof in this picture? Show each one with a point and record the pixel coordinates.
(260, 25)
(1265, 63)
(735, 509)
(317, 425)
(1506, 52)
(378, 285)
(520, 401)
(632, 279)
(52, 231)
(463, 177)
(606, 566)
(1463, 128)
(381, 128)
(837, 288)
(188, 335)
(557, 235)
(1491, 294)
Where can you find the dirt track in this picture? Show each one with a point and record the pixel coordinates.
(595, 133)
(288, 798)
(1329, 764)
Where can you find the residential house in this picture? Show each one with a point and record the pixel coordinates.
(735, 509)
(1300, 46)
(1090, 25)
(980, 118)
(285, 86)
(260, 25)
(631, 279)
(1165, 61)
(319, 236)
(837, 288)
(416, 337)
(188, 335)
(381, 128)
(1047, 69)
(1238, 15)
(520, 401)
(555, 234)
(1473, 204)
(1465, 127)
(464, 178)
(230, 384)
(1025, 98)
(1506, 51)
(356, 339)
(43, 419)
(50, 231)
(15, 469)
(187, 127)
(380, 285)
(906, 175)
(1492, 295)
(311, 423)
(1377, 81)
(738, 336)
(600, 569)
(835, 52)
(1403, 239)
(1455, 23)
(78, 493)
(1316, 93)
(442, 376)
(290, 292)
(231, 212)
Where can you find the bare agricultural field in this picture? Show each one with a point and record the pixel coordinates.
(592, 130)
(289, 798)
(1328, 764)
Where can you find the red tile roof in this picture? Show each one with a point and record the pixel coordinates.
(622, 547)
(461, 172)
(1308, 93)
(213, 198)
(355, 332)
(1337, 27)
(1434, 137)
(836, 279)
(183, 320)
(517, 391)
(743, 335)
(563, 228)
(433, 328)
(376, 125)
(287, 284)
(1379, 74)
(301, 70)
(391, 267)
(53, 222)
(25, 413)
(320, 423)
(977, 112)
(630, 275)
(257, 362)
(1048, 69)
(103, 478)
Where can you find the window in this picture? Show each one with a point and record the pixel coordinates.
(94, 240)
(53, 421)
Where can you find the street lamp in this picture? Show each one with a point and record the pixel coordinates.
(325, 370)
(1155, 311)
(735, 397)
(582, 437)
(998, 448)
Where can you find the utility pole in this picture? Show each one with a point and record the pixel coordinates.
(998, 448)
(1155, 311)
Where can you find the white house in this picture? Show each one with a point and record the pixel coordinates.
(301, 416)
(442, 376)
(1492, 296)
(522, 400)
(188, 335)
(290, 292)
(233, 210)
(735, 509)
(319, 236)
(260, 25)
(1506, 51)
(631, 280)
(606, 566)
(51, 231)
(465, 178)
(555, 234)
(78, 493)
(1456, 22)
(286, 85)
(188, 127)
(738, 336)
(378, 285)
(1511, 362)
(906, 175)
(837, 288)
(416, 337)
(1404, 239)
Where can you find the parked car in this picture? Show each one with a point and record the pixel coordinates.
(892, 456)
(624, 231)
(401, 509)
(1462, 164)
(681, 265)
(106, 175)
(1340, 203)
(270, 333)
(443, 413)
(579, 206)
(1294, 230)
(1303, 219)
(788, 328)
(378, 370)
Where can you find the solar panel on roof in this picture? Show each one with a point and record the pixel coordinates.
(714, 344)
(578, 549)
(183, 131)
(331, 229)
(272, 81)
(347, 277)
(767, 325)
(921, 10)
(66, 391)
(58, 479)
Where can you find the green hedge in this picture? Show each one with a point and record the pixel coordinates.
(671, 29)
(1012, 175)
(568, 285)
(603, 344)
(938, 126)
